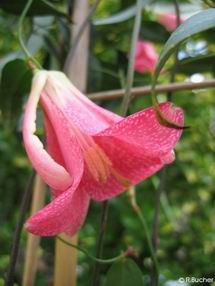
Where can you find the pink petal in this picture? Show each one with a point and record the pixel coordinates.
(137, 146)
(129, 160)
(143, 129)
(51, 172)
(53, 146)
(87, 116)
(64, 214)
(67, 150)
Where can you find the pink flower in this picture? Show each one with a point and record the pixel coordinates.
(91, 152)
(168, 20)
(145, 57)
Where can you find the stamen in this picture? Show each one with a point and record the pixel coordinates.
(125, 182)
(91, 165)
(97, 167)
(106, 161)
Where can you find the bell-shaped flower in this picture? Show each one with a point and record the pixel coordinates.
(145, 57)
(91, 152)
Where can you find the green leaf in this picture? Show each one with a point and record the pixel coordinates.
(187, 9)
(121, 16)
(157, 8)
(124, 273)
(15, 83)
(200, 64)
(117, 18)
(198, 23)
(38, 7)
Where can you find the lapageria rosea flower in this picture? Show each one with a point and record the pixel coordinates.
(145, 57)
(91, 152)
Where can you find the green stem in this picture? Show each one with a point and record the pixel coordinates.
(122, 78)
(138, 212)
(52, 6)
(130, 73)
(153, 256)
(160, 116)
(20, 33)
(18, 230)
(100, 242)
(156, 223)
(98, 260)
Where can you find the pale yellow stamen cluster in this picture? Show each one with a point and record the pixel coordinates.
(101, 167)
(98, 163)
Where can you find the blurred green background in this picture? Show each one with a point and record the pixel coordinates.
(187, 227)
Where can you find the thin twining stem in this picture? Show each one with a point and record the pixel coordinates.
(130, 73)
(176, 61)
(96, 259)
(15, 246)
(155, 235)
(138, 212)
(100, 241)
(146, 90)
(159, 191)
(156, 222)
(163, 173)
(20, 34)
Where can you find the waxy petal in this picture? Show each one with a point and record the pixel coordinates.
(85, 114)
(53, 146)
(66, 213)
(137, 146)
(143, 129)
(61, 136)
(129, 161)
(51, 172)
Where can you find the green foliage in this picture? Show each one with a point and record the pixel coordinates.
(202, 64)
(15, 83)
(39, 7)
(200, 22)
(124, 273)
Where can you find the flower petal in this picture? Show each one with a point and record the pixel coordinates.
(69, 149)
(143, 129)
(87, 116)
(129, 161)
(51, 172)
(53, 149)
(66, 213)
(53, 146)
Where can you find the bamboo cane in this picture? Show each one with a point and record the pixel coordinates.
(76, 69)
(145, 90)
(31, 256)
